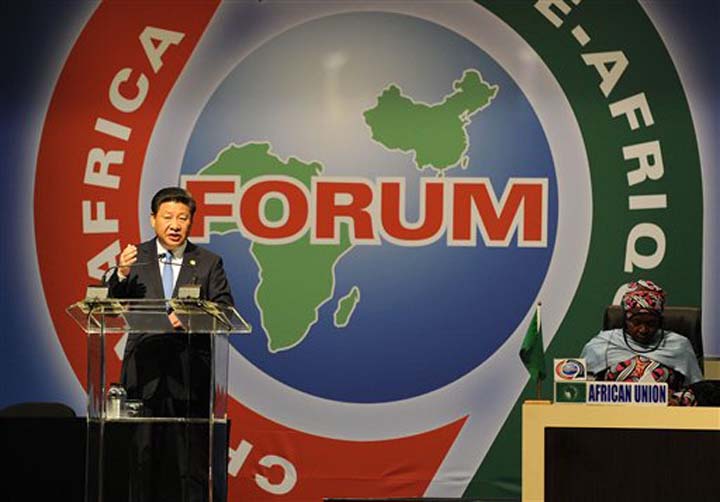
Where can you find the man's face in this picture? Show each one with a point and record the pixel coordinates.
(642, 327)
(172, 224)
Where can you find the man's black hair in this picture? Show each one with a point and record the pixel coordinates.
(172, 194)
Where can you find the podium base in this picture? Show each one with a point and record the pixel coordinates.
(156, 461)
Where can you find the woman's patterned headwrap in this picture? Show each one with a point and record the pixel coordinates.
(643, 297)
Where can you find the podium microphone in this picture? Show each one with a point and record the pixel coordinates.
(95, 292)
(190, 291)
(185, 291)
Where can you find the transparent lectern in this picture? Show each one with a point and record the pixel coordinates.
(157, 398)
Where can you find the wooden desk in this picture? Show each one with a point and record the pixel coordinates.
(539, 416)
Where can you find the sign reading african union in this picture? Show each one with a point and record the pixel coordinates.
(640, 393)
(392, 187)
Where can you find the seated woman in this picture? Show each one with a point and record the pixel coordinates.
(643, 351)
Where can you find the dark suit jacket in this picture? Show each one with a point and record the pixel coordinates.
(170, 372)
(200, 266)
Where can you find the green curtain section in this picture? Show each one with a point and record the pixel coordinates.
(611, 26)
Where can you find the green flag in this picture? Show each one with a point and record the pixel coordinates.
(531, 351)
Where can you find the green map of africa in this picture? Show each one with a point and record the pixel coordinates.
(296, 279)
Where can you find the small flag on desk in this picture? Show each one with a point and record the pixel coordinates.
(570, 392)
(531, 351)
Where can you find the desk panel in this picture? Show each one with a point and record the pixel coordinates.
(539, 416)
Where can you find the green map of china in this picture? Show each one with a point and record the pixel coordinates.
(436, 134)
(296, 279)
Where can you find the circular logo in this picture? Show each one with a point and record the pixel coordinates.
(570, 369)
(336, 104)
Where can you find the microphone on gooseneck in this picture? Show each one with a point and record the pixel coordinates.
(95, 292)
(193, 290)
(108, 272)
(185, 291)
(190, 291)
(106, 275)
(164, 261)
(192, 264)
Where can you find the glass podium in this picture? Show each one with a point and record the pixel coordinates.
(157, 375)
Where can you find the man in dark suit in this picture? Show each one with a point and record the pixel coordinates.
(170, 372)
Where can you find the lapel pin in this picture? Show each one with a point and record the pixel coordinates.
(192, 263)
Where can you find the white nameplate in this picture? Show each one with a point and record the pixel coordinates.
(650, 393)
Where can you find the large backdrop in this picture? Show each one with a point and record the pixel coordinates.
(393, 187)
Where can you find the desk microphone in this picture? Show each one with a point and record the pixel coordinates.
(104, 278)
(186, 291)
(95, 292)
(101, 292)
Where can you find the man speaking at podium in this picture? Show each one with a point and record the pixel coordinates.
(155, 367)
(169, 373)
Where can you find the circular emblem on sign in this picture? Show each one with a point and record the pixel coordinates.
(352, 317)
(570, 369)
